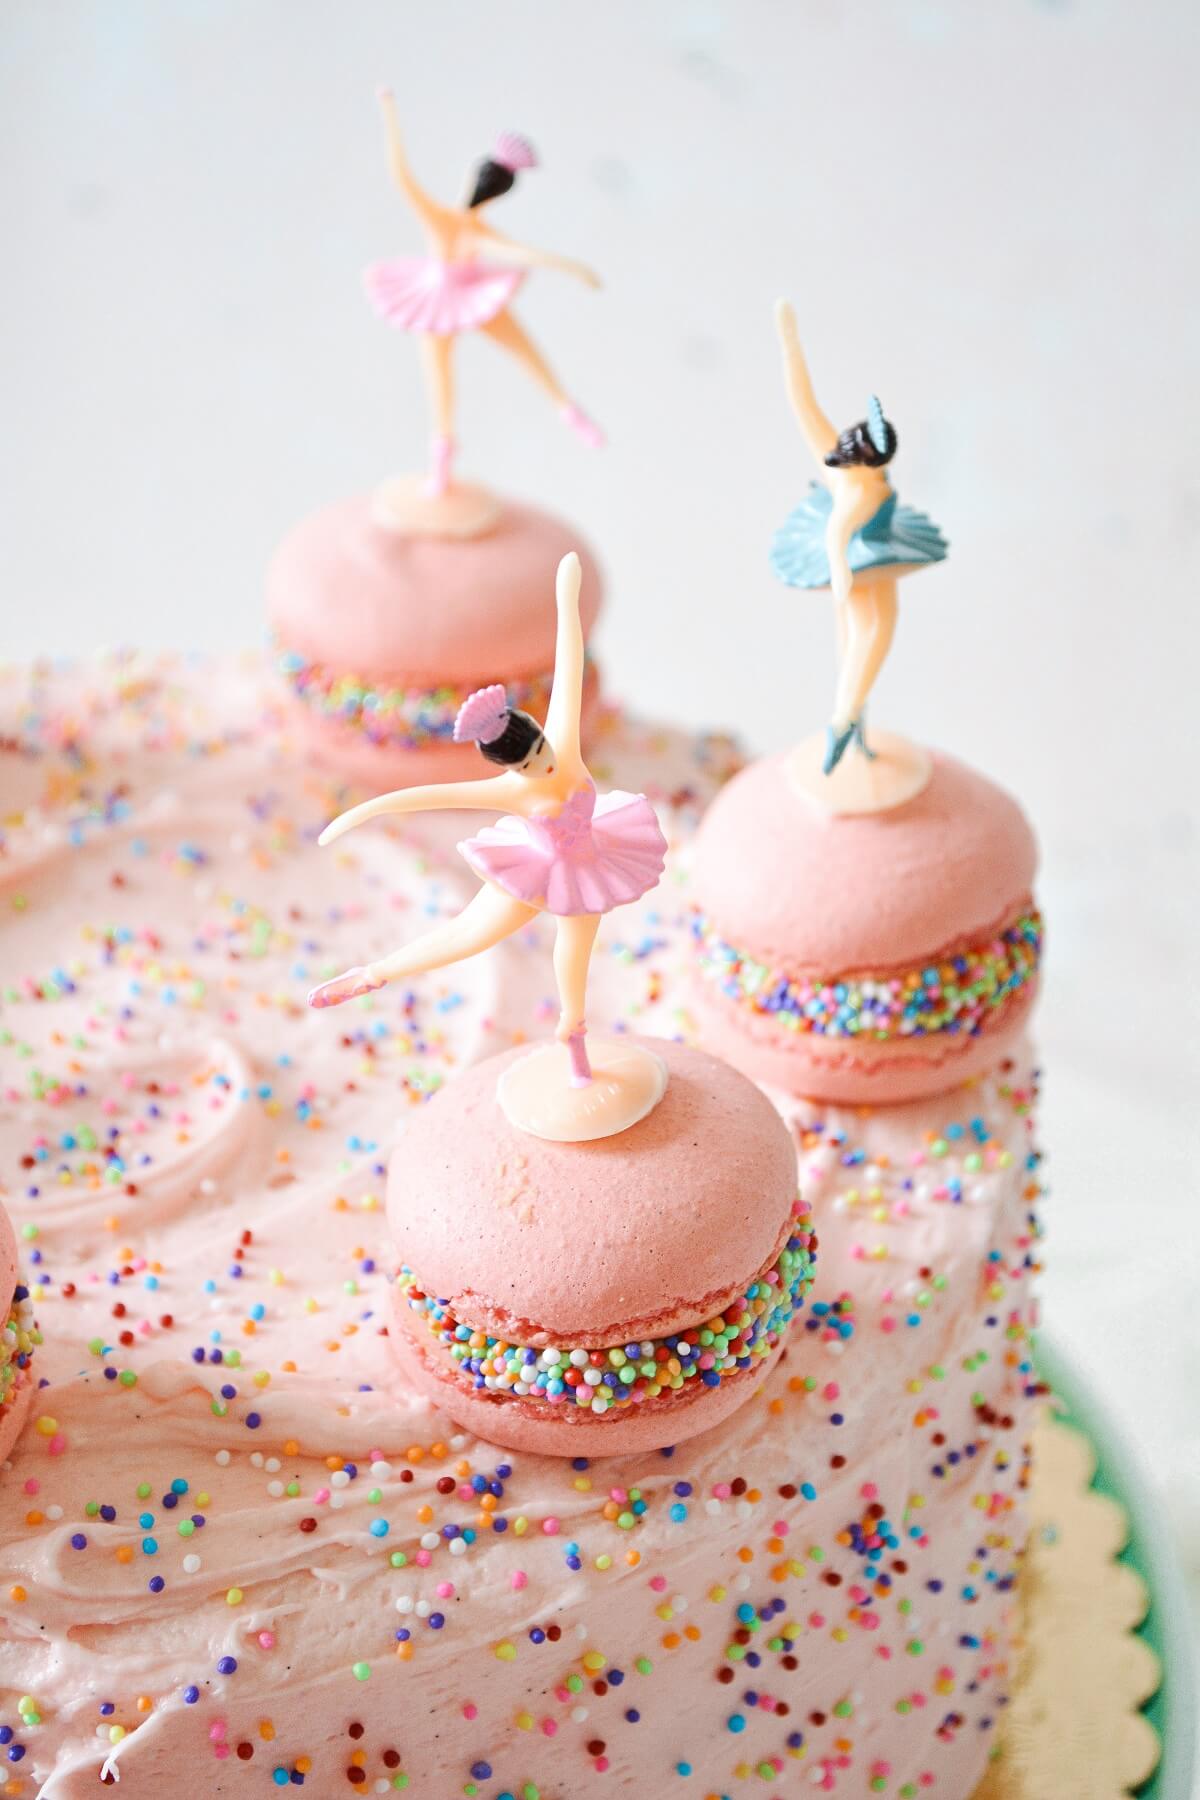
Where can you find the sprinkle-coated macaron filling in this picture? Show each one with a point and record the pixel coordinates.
(956, 996)
(18, 1341)
(393, 717)
(632, 1373)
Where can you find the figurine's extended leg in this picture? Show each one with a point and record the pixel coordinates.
(871, 614)
(841, 633)
(484, 921)
(573, 942)
(438, 356)
(505, 331)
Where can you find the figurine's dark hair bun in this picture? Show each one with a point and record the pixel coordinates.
(856, 446)
(491, 180)
(521, 734)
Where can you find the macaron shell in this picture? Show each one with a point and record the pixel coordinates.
(589, 1244)
(817, 894)
(424, 611)
(569, 1431)
(851, 1071)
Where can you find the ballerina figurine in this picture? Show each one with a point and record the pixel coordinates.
(851, 536)
(466, 283)
(561, 849)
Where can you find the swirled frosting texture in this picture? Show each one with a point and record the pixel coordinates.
(238, 1550)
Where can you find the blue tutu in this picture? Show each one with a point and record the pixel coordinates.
(894, 534)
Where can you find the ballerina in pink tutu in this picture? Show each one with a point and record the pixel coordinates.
(466, 283)
(561, 848)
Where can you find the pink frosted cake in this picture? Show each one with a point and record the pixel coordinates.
(240, 1552)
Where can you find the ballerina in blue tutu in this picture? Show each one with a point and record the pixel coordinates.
(852, 536)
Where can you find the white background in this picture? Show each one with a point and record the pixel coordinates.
(985, 211)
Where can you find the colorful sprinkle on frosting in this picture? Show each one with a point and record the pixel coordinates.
(630, 1374)
(957, 995)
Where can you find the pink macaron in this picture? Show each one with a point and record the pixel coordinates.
(876, 957)
(596, 1298)
(380, 634)
(18, 1341)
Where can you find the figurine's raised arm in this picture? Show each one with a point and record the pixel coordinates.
(448, 796)
(509, 253)
(819, 433)
(566, 695)
(423, 204)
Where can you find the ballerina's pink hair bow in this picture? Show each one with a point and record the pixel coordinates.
(513, 152)
(482, 716)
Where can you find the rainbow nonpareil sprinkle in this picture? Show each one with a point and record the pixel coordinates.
(606, 1380)
(956, 995)
(392, 716)
(18, 1340)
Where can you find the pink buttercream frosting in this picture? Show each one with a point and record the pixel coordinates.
(236, 1537)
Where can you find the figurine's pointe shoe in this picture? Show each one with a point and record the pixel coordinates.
(582, 426)
(346, 987)
(836, 745)
(860, 740)
(440, 461)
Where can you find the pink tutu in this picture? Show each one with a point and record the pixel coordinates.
(419, 293)
(588, 857)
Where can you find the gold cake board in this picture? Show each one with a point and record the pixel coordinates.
(1074, 1728)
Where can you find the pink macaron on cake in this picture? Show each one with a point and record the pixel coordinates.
(600, 1297)
(864, 957)
(19, 1338)
(387, 609)
(600, 1244)
(864, 923)
(381, 634)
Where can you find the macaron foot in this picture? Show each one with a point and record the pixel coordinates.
(349, 986)
(894, 772)
(539, 1094)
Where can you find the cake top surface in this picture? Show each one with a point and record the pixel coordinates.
(833, 894)
(200, 1164)
(630, 1235)
(346, 591)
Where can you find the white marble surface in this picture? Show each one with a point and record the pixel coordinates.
(986, 212)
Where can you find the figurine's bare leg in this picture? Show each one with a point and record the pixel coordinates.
(505, 331)
(573, 943)
(489, 917)
(871, 617)
(850, 510)
(437, 353)
(841, 632)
